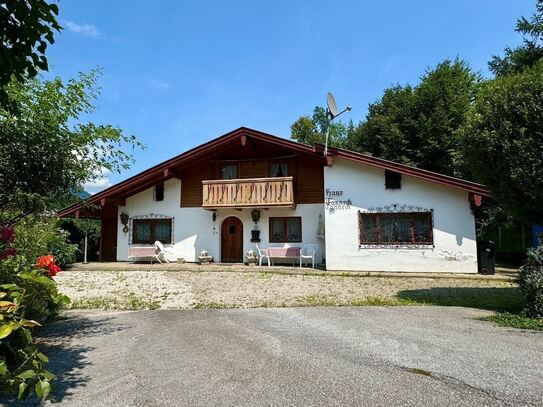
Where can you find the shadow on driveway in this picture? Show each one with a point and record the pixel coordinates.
(493, 299)
(67, 360)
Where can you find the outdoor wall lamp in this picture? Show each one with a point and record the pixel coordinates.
(255, 214)
(124, 220)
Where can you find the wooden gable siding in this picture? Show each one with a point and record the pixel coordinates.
(252, 169)
(308, 178)
(191, 183)
(309, 182)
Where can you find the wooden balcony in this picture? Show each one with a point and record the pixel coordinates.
(248, 193)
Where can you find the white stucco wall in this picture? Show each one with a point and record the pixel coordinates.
(193, 227)
(454, 226)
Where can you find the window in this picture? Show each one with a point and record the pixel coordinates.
(405, 228)
(229, 171)
(286, 230)
(279, 170)
(158, 193)
(151, 230)
(393, 180)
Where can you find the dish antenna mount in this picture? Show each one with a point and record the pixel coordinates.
(331, 114)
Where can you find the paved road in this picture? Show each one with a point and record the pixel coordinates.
(368, 356)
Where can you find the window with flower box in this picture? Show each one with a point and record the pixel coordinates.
(396, 229)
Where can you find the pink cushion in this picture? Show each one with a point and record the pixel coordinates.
(141, 251)
(284, 251)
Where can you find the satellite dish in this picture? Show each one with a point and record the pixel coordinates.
(331, 102)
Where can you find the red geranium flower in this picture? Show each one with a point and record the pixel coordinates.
(44, 261)
(48, 263)
(53, 269)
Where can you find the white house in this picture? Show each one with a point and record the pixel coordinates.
(247, 187)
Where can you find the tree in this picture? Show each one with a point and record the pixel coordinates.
(46, 152)
(503, 142)
(418, 125)
(312, 130)
(26, 28)
(527, 54)
(390, 127)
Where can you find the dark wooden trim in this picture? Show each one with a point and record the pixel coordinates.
(112, 201)
(156, 173)
(285, 219)
(152, 222)
(404, 169)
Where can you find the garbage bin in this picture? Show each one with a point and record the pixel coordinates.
(486, 257)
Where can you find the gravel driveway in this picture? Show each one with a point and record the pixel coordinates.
(325, 356)
(216, 288)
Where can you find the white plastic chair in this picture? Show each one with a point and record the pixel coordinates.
(308, 252)
(161, 252)
(262, 254)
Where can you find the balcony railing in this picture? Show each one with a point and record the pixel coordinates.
(252, 192)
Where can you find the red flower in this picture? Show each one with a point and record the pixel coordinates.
(53, 269)
(7, 234)
(44, 261)
(48, 263)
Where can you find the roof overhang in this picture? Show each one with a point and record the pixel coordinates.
(116, 194)
(453, 182)
(169, 169)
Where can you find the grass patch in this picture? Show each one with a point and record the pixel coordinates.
(519, 321)
(128, 301)
(331, 301)
(213, 305)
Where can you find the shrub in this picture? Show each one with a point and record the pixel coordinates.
(530, 280)
(42, 301)
(27, 290)
(22, 366)
(36, 236)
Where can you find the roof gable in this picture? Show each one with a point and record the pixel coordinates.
(243, 136)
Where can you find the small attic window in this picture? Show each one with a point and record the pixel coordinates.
(393, 180)
(158, 193)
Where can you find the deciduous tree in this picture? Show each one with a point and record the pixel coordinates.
(26, 28)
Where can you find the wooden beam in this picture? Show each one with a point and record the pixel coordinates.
(475, 199)
(171, 173)
(76, 214)
(112, 201)
(243, 139)
(329, 160)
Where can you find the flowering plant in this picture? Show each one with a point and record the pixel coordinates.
(6, 240)
(47, 263)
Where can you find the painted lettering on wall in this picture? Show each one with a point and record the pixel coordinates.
(332, 202)
(330, 193)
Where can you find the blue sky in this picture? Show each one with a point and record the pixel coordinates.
(179, 73)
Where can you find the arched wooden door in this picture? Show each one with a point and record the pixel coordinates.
(232, 240)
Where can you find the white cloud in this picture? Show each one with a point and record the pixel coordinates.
(85, 29)
(159, 84)
(99, 183)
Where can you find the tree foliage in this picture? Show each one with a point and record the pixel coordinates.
(527, 54)
(46, 152)
(312, 130)
(503, 142)
(418, 125)
(412, 125)
(26, 28)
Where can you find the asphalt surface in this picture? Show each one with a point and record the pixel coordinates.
(368, 356)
